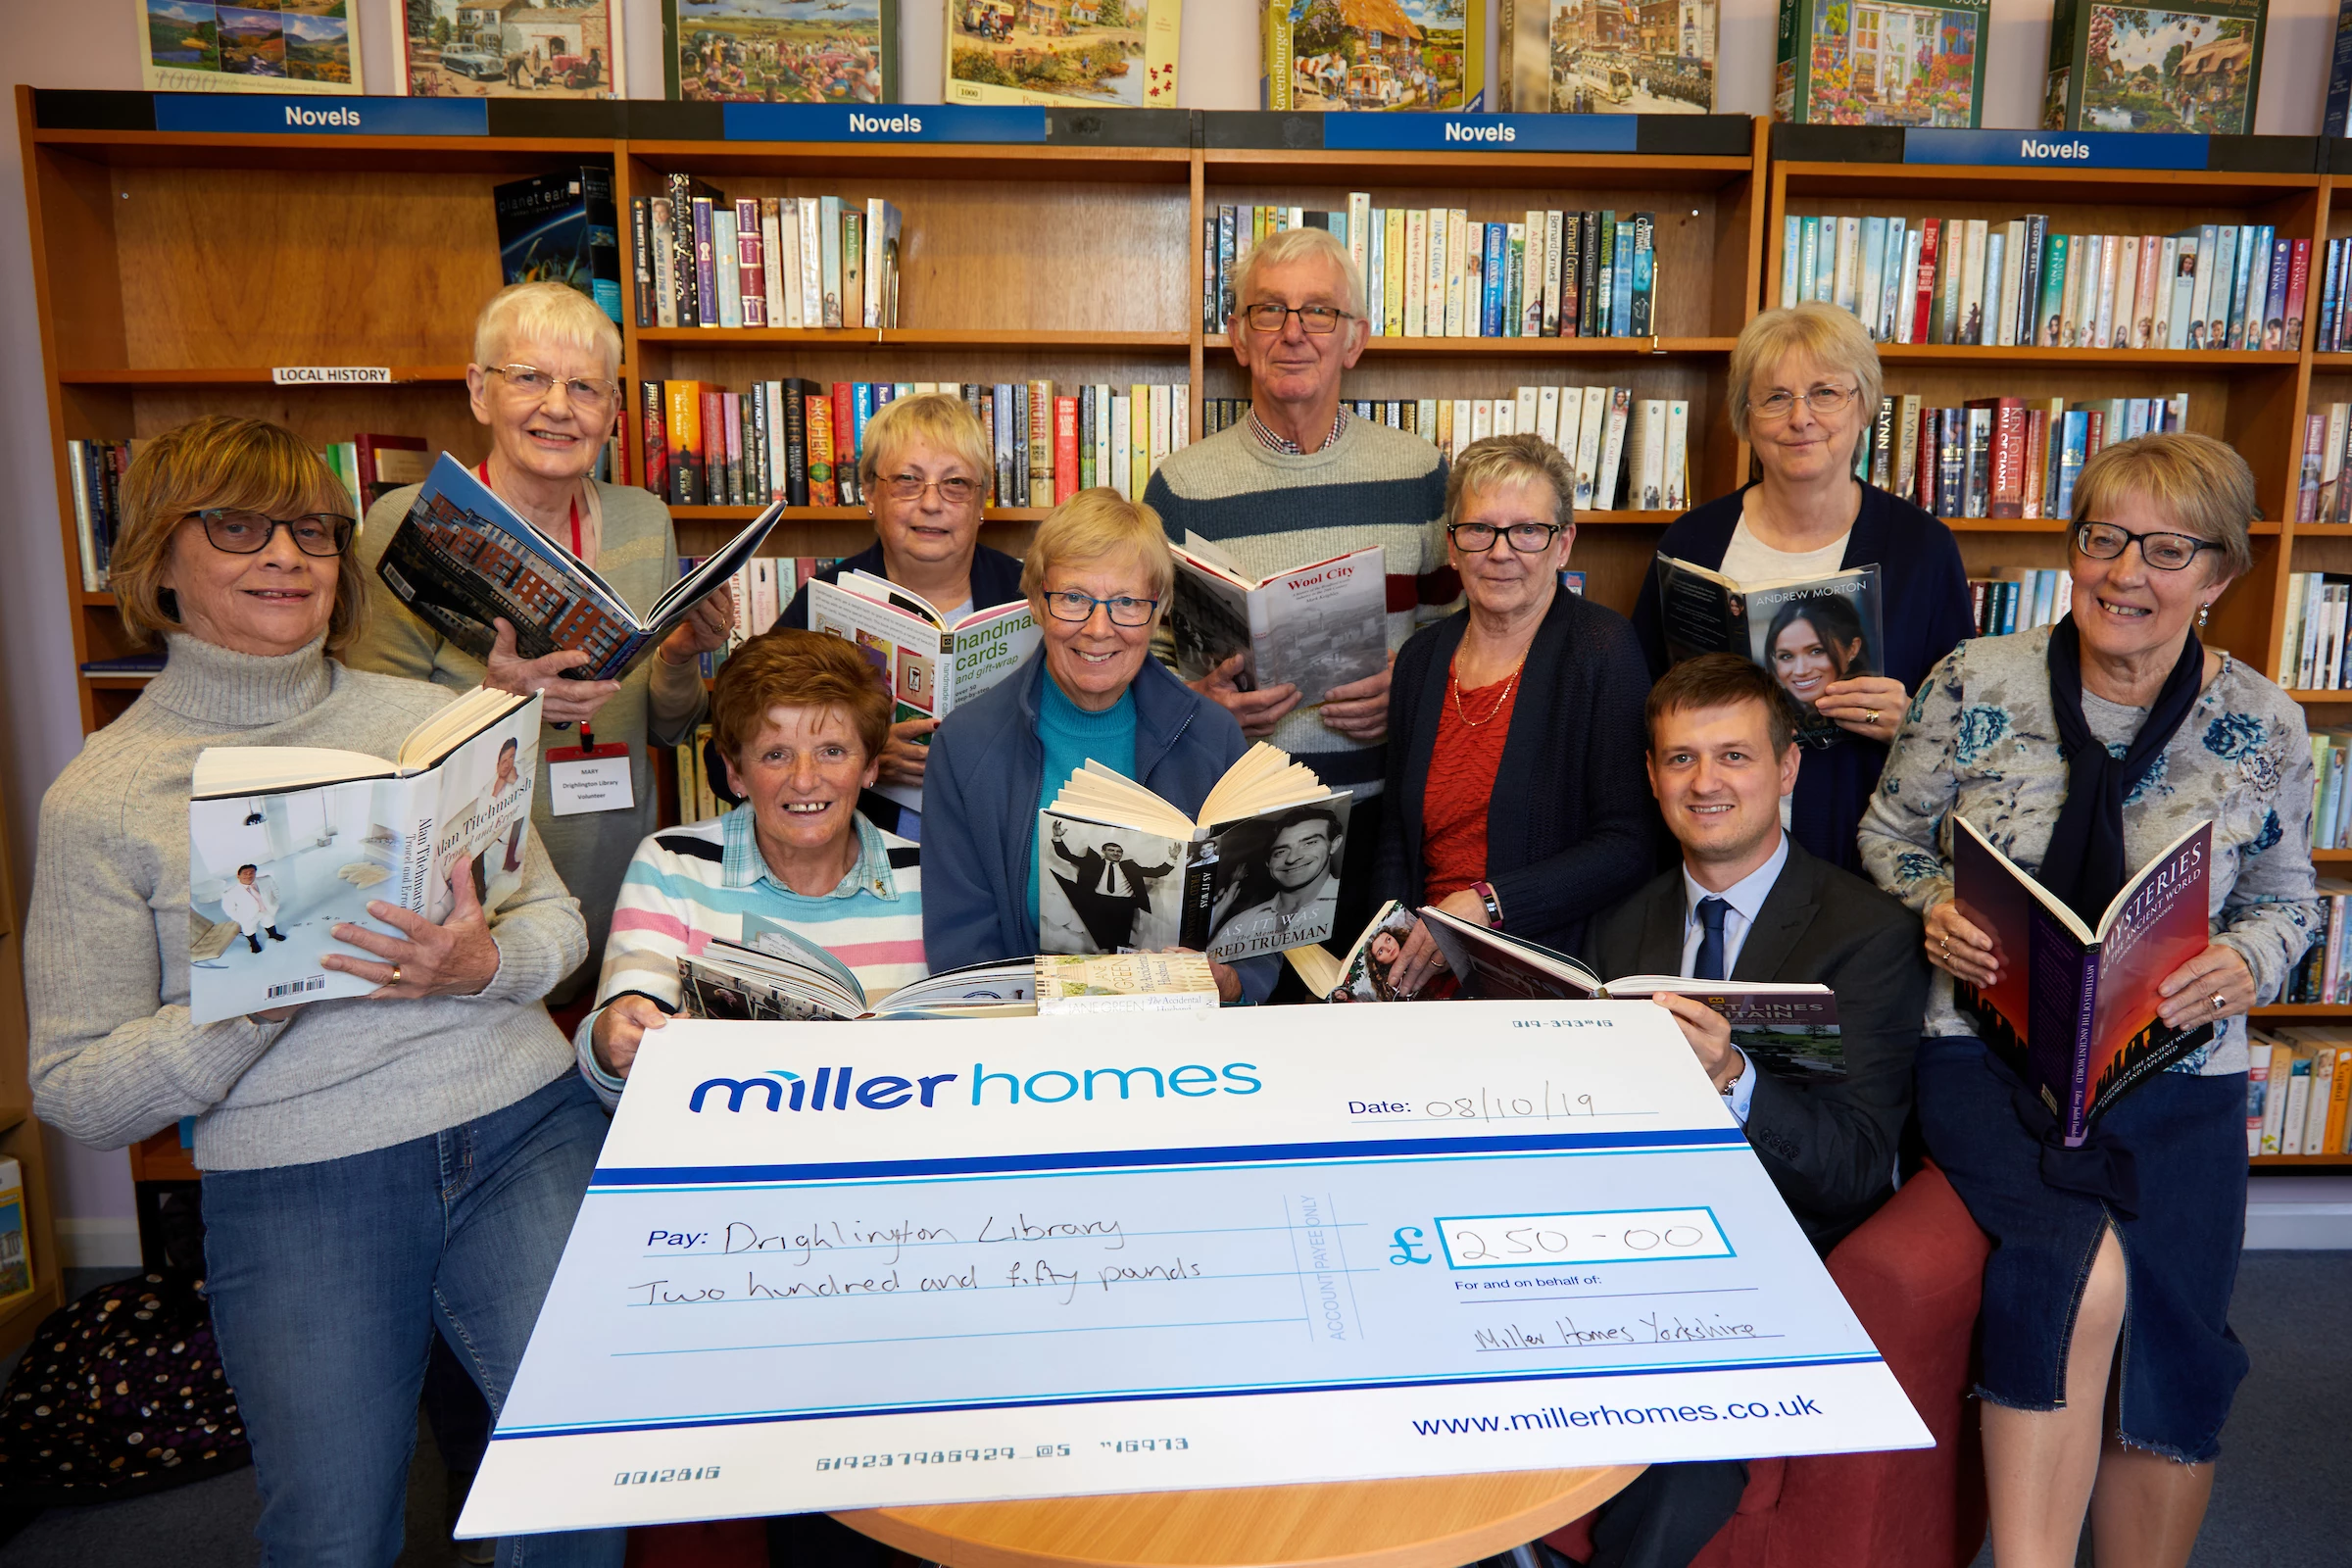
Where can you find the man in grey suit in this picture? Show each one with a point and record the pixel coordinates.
(1747, 903)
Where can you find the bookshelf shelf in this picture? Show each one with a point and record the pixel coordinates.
(2304, 1009)
(927, 161)
(898, 337)
(260, 376)
(2321, 697)
(1971, 354)
(1474, 169)
(1579, 348)
(2302, 1161)
(1930, 185)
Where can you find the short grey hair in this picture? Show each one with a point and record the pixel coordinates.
(1835, 339)
(544, 313)
(1300, 245)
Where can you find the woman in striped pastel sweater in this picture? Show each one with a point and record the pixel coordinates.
(801, 724)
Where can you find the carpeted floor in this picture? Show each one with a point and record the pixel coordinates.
(2276, 1497)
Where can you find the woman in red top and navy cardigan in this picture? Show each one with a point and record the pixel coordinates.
(1515, 732)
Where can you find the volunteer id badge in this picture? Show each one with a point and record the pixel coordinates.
(588, 777)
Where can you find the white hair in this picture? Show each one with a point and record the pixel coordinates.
(1300, 245)
(544, 313)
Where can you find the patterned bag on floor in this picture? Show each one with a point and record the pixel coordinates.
(118, 1393)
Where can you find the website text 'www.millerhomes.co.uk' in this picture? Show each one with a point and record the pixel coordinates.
(1552, 1417)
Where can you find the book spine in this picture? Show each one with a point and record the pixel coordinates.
(654, 436)
(1491, 291)
(681, 251)
(1645, 273)
(817, 410)
(848, 428)
(1065, 449)
(708, 305)
(2298, 283)
(1923, 298)
(641, 259)
(796, 445)
(751, 272)
(2079, 1108)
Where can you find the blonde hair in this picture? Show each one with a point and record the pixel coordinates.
(1095, 526)
(1832, 337)
(1505, 459)
(1300, 245)
(934, 419)
(217, 461)
(544, 313)
(2205, 487)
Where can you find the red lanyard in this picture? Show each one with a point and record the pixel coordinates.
(482, 473)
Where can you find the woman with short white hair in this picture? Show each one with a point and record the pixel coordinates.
(1803, 389)
(544, 382)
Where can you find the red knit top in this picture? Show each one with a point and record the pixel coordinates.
(1462, 765)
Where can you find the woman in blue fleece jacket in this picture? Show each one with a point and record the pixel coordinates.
(1097, 577)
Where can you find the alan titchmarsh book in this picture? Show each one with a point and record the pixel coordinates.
(2075, 1010)
(1119, 869)
(778, 976)
(462, 558)
(287, 842)
(1805, 633)
(930, 664)
(1789, 1027)
(1315, 626)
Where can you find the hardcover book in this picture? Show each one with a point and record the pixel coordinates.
(563, 228)
(2189, 65)
(285, 843)
(1374, 55)
(1088, 53)
(1578, 55)
(1118, 868)
(462, 559)
(1839, 63)
(1316, 626)
(2073, 1011)
(760, 51)
(1805, 634)
(928, 663)
(467, 49)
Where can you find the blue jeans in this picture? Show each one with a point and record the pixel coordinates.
(328, 1282)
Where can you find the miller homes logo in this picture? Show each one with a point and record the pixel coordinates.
(838, 1087)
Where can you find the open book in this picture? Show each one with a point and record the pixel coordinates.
(1315, 626)
(1804, 632)
(929, 664)
(2075, 1010)
(1787, 1026)
(788, 979)
(1363, 974)
(1119, 869)
(287, 842)
(462, 558)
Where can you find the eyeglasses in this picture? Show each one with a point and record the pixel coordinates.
(240, 532)
(955, 492)
(1528, 538)
(588, 391)
(1125, 611)
(2166, 552)
(1271, 316)
(1821, 399)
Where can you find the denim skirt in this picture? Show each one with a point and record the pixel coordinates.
(2179, 1141)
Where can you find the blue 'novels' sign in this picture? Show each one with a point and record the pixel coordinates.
(237, 114)
(981, 123)
(1493, 133)
(2053, 149)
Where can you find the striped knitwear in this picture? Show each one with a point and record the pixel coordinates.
(1272, 511)
(687, 885)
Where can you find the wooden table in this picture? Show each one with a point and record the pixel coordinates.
(1430, 1522)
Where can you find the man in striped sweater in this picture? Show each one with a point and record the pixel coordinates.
(1300, 480)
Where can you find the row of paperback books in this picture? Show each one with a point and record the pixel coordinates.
(794, 261)
(2312, 656)
(2321, 495)
(799, 441)
(1433, 272)
(2021, 599)
(2020, 284)
(2331, 802)
(1607, 434)
(2000, 456)
(2299, 1088)
(2335, 282)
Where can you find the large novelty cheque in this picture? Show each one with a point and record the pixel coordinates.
(1035, 1257)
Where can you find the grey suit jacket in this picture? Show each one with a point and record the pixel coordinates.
(1829, 1148)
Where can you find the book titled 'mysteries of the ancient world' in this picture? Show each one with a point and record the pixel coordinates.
(462, 558)
(2075, 1010)
(1119, 869)
(287, 842)
(1316, 626)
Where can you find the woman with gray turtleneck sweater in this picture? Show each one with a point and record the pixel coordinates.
(377, 1169)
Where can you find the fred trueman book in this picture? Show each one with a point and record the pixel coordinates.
(462, 559)
(287, 842)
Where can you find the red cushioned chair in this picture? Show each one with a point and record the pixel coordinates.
(1913, 1273)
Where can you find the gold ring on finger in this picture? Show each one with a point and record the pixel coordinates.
(395, 980)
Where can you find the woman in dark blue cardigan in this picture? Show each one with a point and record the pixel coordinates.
(1804, 386)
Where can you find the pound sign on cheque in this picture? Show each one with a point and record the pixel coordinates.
(1407, 1252)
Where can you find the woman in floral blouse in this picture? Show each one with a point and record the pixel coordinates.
(2082, 751)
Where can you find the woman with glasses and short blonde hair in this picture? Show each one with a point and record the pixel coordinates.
(543, 381)
(925, 475)
(1803, 390)
(1097, 578)
(1514, 726)
(2082, 751)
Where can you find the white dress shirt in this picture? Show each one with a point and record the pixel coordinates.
(1747, 900)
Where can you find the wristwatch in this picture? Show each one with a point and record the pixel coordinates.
(1733, 1082)
(1494, 906)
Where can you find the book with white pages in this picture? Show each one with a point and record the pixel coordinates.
(1317, 626)
(780, 976)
